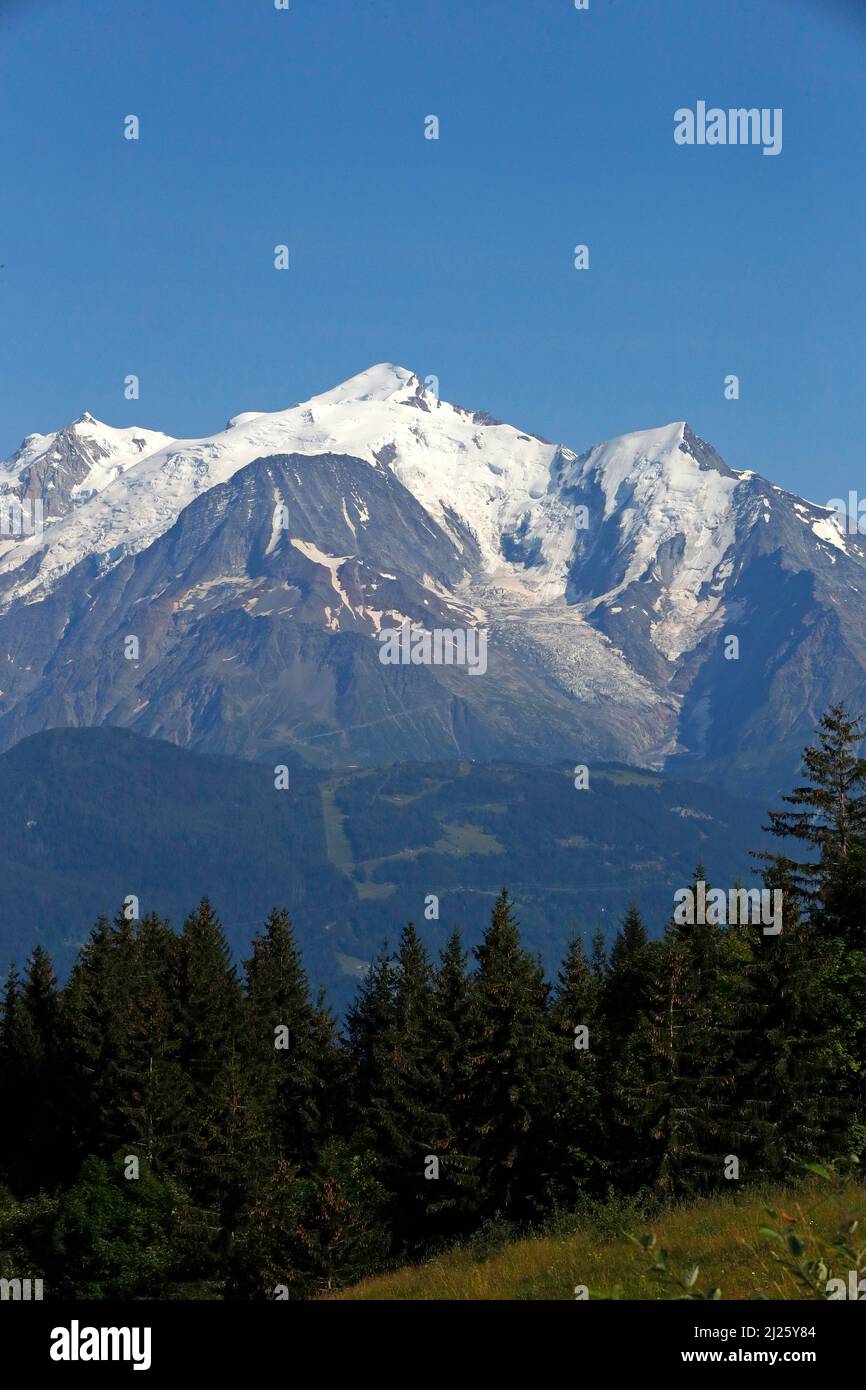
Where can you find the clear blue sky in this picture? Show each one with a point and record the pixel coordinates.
(451, 257)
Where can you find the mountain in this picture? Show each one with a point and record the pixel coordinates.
(90, 816)
(257, 570)
(67, 469)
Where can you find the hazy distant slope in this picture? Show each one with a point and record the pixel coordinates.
(89, 816)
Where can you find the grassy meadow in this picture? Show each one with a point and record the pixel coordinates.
(723, 1238)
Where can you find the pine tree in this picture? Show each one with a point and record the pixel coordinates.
(93, 1011)
(513, 1072)
(787, 1066)
(211, 1035)
(831, 819)
(121, 1019)
(575, 1021)
(688, 1053)
(625, 1009)
(831, 808)
(368, 1021)
(14, 1163)
(154, 1091)
(671, 1109)
(454, 1196)
(34, 1038)
(403, 1122)
(598, 957)
(625, 988)
(230, 1156)
(291, 1045)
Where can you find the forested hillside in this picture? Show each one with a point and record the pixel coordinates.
(177, 1129)
(90, 816)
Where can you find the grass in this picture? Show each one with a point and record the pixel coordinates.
(721, 1236)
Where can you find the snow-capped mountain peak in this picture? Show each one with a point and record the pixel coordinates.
(66, 469)
(607, 578)
(536, 516)
(465, 469)
(383, 382)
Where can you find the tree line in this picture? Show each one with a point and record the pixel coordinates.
(175, 1128)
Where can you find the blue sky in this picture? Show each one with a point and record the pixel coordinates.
(452, 257)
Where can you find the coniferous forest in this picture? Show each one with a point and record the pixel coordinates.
(175, 1127)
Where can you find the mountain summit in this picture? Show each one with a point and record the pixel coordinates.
(643, 599)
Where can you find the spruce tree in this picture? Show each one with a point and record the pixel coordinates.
(210, 1015)
(513, 1073)
(830, 814)
(787, 1066)
(14, 1160)
(122, 1024)
(453, 1198)
(403, 1120)
(598, 957)
(625, 987)
(35, 1036)
(154, 1090)
(688, 1052)
(831, 819)
(671, 1107)
(230, 1152)
(290, 1040)
(368, 1021)
(92, 1010)
(575, 1020)
(626, 1000)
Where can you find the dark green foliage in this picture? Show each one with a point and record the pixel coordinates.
(626, 998)
(121, 1017)
(31, 1051)
(369, 1021)
(303, 1235)
(210, 1012)
(399, 1083)
(451, 1202)
(107, 1236)
(831, 809)
(456, 1105)
(831, 819)
(13, 1157)
(93, 1007)
(688, 1052)
(513, 1074)
(152, 1090)
(115, 1237)
(292, 1079)
(578, 1046)
(788, 1072)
